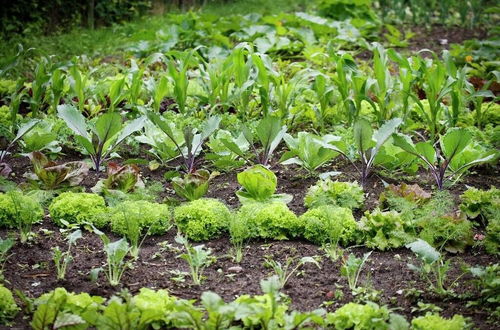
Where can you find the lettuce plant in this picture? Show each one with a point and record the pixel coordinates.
(432, 321)
(53, 175)
(104, 136)
(78, 208)
(329, 224)
(192, 186)
(451, 161)
(357, 316)
(309, 150)
(202, 219)
(8, 306)
(19, 211)
(259, 185)
(328, 192)
(122, 177)
(481, 203)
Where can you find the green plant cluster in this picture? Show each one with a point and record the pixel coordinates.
(202, 219)
(329, 224)
(271, 220)
(8, 306)
(151, 217)
(481, 203)
(17, 208)
(435, 322)
(78, 208)
(328, 192)
(159, 309)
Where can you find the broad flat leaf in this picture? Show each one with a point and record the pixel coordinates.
(25, 129)
(131, 127)
(363, 133)
(210, 125)
(74, 119)
(258, 182)
(454, 141)
(107, 126)
(69, 321)
(426, 150)
(404, 142)
(424, 251)
(270, 132)
(385, 131)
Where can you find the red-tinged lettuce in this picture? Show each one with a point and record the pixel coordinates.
(53, 175)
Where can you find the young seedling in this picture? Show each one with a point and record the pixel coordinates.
(286, 270)
(433, 268)
(63, 259)
(5, 246)
(115, 259)
(351, 268)
(197, 257)
(239, 233)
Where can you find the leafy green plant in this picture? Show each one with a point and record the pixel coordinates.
(269, 132)
(193, 185)
(202, 219)
(259, 185)
(358, 316)
(178, 76)
(19, 211)
(328, 192)
(41, 138)
(197, 257)
(271, 220)
(383, 230)
(63, 259)
(433, 268)
(434, 322)
(481, 203)
(122, 177)
(239, 233)
(5, 246)
(351, 268)
(309, 151)
(328, 224)
(137, 219)
(452, 162)
(8, 306)
(486, 280)
(78, 208)
(192, 144)
(492, 239)
(285, 271)
(12, 139)
(369, 143)
(116, 263)
(105, 135)
(53, 175)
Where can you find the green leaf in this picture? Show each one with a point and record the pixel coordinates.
(363, 133)
(426, 150)
(424, 251)
(454, 141)
(74, 119)
(107, 126)
(258, 183)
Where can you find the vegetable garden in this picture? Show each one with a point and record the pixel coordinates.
(328, 164)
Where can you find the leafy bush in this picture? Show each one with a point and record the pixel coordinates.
(383, 230)
(151, 217)
(328, 192)
(78, 208)
(17, 208)
(357, 316)
(8, 306)
(329, 224)
(202, 219)
(483, 203)
(435, 322)
(272, 220)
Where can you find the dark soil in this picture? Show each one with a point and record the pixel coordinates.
(31, 270)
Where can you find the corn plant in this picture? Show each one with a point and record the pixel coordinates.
(264, 66)
(134, 82)
(324, 90)
(384, 87)
(215, 79)
(243, 81)
(78, 86)
(104, 136)
(178, 76)
(197, 257)
(39, 85)
(285, 91)
(63, 259)
(57, 82)
(351, 268)
(158, 89)
(286, 270)
(452, 160)
(116, 263)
